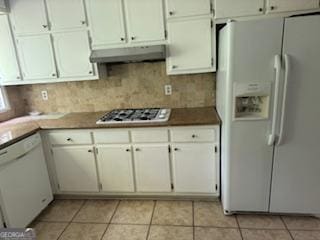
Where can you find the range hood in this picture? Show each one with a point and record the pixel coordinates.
(130, 54)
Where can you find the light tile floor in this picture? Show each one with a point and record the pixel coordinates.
(164, 220)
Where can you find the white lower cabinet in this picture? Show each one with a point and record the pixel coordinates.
(115, 168)
(194, 168)
(75, 169)
(152, 168)
(169, 161)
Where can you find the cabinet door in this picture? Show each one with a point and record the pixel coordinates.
(190, 46)
(106, 20)
(236, 8)
(28, 16)
(72, 53)
(66, 14)
(274, 6)
(145, 20)
(184, 8)
(76, 169)
(152, 168)
(115, 168)
(9, 69)
(194, 168)
(36, 57)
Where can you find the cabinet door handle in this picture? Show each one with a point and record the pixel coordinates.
(260, 9)
(90, 72)
(138, 149)
(69, 139)
(133, 38)
(122, 39)
(194, 136)
(127, 150)
(174, 67)
(171, 13)
(44, 26)
(272, 8)
(83, 22)
(90, 151)
(176, 149)
(53, 74)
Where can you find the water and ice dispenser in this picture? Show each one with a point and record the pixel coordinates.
(251, 101)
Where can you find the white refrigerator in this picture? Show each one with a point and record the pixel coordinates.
(268, 96)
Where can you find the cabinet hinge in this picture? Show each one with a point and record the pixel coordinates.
(169, 149)
(165, 34)
(215, 149)
(172, 186)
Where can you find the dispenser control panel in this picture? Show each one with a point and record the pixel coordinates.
(251, 101)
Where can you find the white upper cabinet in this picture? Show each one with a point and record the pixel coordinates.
(9, 69)
(194, 168)
(66, 14)
(28, 16)
(145, 20)
(72, 51)
(275, 6)
(190, 48)
(106, 20)
(237, 8)
(184, 8)
(36, 57)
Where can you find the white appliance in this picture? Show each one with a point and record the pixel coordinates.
(24, 182)
(268, 98)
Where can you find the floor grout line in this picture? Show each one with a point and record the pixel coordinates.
(285, 225)
(193, 227)
(59, 237)
(154, 207)
(109, 223)
(240, 230)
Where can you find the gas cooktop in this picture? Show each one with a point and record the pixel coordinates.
(142, 115)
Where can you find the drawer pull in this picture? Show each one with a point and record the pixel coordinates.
(90, 151)
(194, 136)
(127, 150)
(69, 139)
(176, 149)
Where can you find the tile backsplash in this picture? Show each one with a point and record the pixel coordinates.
(132, 85)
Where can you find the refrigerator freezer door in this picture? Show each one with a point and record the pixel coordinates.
(296, 170)
(246, 156)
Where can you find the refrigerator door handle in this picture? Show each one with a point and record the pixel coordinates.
(284, 99)
(277, 67)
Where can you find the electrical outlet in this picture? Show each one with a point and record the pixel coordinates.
(44, 95)
(167, 89)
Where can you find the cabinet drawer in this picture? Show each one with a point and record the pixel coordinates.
(150, 136)
(111, 136)
(193, 135)
(70, 137)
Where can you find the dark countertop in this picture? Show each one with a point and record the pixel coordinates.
(16, 129)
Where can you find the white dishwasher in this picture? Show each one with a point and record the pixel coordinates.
(24, 182)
